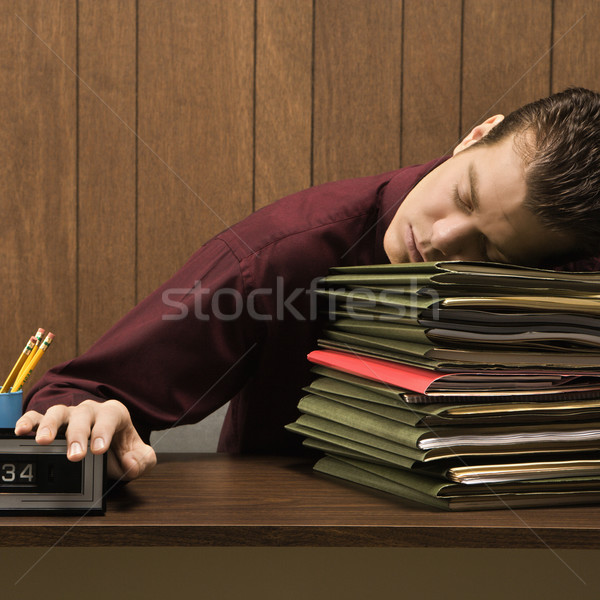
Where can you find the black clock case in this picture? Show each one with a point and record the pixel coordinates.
(79, 489)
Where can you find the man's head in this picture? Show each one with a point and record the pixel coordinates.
(522, 189)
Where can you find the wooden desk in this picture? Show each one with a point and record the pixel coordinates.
(218, 500)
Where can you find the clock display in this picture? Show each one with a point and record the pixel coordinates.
(39, 473)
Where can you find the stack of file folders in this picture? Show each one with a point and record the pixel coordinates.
(461, 385)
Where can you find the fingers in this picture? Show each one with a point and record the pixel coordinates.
(132, 464)
(27, 423)
(47, 425)
(105, 424)
(112, 417)
(135, 457)
(80, 420)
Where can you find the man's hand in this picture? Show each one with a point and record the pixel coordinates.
(106, 424)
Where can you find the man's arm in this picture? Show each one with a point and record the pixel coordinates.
(162, 365)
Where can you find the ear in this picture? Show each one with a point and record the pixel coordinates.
(478, 132)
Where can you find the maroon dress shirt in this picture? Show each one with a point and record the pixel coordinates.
(237, 321)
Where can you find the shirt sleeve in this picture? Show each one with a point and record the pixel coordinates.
(176, 357)
(591, 263)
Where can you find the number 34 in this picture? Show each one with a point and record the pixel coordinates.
(9, 473)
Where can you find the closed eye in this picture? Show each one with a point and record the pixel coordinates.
(460, 203)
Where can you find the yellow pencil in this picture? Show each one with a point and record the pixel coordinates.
(32, 364)
(29, 346)
(38, 340)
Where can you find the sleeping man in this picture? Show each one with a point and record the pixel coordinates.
(236, 321)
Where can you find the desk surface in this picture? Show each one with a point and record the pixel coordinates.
(219, 500)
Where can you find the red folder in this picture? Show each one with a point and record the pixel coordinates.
(403, 376)
(421, 380)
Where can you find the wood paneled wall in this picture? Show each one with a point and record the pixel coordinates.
(133, 131)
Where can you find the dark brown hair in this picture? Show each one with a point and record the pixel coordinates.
(558, 138)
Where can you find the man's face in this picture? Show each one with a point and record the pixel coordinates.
(471, 208)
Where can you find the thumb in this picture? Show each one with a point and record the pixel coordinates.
(130, 463)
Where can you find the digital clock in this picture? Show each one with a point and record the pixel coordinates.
(36, 478)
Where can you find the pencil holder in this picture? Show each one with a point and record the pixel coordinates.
(11, 409)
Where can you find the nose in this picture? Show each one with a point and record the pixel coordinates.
(457, 238)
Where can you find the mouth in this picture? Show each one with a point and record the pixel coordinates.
(411, 246)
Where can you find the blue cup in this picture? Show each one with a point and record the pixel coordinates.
(11, 409)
